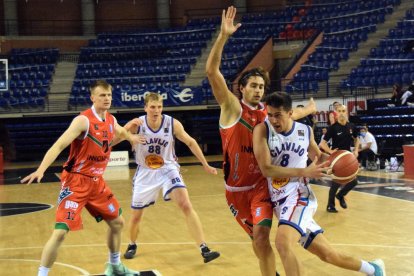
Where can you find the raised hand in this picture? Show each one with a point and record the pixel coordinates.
(312, 105)
(227, 21)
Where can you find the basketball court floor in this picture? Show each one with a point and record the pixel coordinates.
(379, 223)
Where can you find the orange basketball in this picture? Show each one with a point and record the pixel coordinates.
(343, 166)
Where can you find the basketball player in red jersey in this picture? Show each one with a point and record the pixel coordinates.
(90, 135)
(246, 188)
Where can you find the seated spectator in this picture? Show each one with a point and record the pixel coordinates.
(367, 147)
(396, 95)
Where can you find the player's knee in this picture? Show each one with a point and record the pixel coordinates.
(283, 246)
(135, 219)
(59, 235)
(117, 224)
(328, 257)
(261, 242)
(186, 207)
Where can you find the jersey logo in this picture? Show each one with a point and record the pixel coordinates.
(278, 183)
(301, 132)
(64, 193)
(154, 161)
(185, 95)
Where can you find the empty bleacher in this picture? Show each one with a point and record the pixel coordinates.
(390, 62)
(30, 75)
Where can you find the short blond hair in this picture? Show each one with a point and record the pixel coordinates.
(100, 83)
(152, 96)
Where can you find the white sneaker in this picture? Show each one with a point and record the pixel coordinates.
(379, 266)
(410, 104)
(391, 105)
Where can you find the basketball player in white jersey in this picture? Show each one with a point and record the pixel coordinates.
(158, 169)
(281, 147)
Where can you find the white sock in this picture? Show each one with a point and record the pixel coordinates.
(367, 268)
(115, 258)
(43, 271)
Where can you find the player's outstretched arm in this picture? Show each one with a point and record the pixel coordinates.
(78, 126)
(123, 134)
(191, 143)
(310, 108)
(223, 95)
(131, 127)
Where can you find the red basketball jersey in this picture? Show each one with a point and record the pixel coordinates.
(89, 155)
(240, 166)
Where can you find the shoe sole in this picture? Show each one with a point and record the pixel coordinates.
(129, 255)
(212, 257)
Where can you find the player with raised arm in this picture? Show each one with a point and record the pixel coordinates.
(246, 188)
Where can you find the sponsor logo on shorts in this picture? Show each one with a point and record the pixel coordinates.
(69, 204)
(64, 193)
(258, 211)
(233, 210)
(111, 208)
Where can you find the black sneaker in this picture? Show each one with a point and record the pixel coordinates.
(342, 201)
(277, 274)
(209, 255)
(130, 252)
(331, 209)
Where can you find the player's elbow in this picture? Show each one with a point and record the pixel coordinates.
(211, 72)
(266, 170)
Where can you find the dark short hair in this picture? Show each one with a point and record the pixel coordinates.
(279, 99)
(100, 83)
(255, 72)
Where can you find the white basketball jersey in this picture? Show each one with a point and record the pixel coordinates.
(158, 151)
(288, 150)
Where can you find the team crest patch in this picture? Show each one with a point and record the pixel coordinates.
(301, 132)
(64, 193)
(278, 183)
(111, 208)
(95, 126)
(258, 211)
